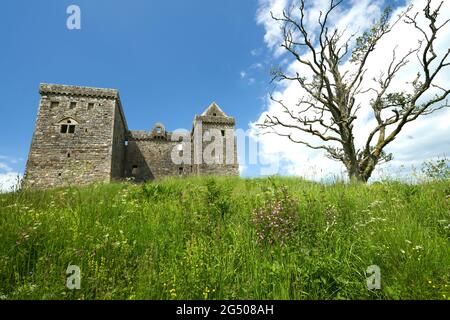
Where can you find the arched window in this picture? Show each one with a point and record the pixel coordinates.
(67, 125)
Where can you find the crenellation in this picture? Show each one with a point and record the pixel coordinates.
(64, 90)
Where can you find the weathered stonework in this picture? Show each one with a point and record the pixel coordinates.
(81, 136)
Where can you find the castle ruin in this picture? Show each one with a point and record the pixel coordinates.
(81, 136)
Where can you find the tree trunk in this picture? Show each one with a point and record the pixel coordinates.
(354, 174)
(357, 177)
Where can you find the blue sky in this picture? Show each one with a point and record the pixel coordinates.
(169, 60)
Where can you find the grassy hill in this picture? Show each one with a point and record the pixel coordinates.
(227, 238)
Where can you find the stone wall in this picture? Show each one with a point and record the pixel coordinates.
(118, 143)
(80, 157)
(150, 156)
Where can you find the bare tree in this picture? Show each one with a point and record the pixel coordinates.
(328, 108)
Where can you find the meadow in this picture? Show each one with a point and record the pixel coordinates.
(227, 238)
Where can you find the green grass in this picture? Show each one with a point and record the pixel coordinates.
(194, 239)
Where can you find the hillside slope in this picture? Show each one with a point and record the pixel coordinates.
(227, 238)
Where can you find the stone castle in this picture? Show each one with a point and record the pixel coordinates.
(81, 136)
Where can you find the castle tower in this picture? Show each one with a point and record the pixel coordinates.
(214, 143)
(78, 138)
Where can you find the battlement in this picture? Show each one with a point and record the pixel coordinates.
(59, 89)
(215, 119)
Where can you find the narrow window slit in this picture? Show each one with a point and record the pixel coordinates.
(64, 128)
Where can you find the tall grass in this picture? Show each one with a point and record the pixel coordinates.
(196, 238)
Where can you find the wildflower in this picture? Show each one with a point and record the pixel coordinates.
(402, 251)
(206, 292)
(276, 219)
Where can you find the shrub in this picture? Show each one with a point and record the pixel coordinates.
(156, 191)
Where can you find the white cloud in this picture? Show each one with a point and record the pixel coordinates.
(256, 52)
(360, 17)
(244, 75)
(8, 176)
(272, 36)
(8, 181)
(5, 167)
(423, 139)
(257, 65)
